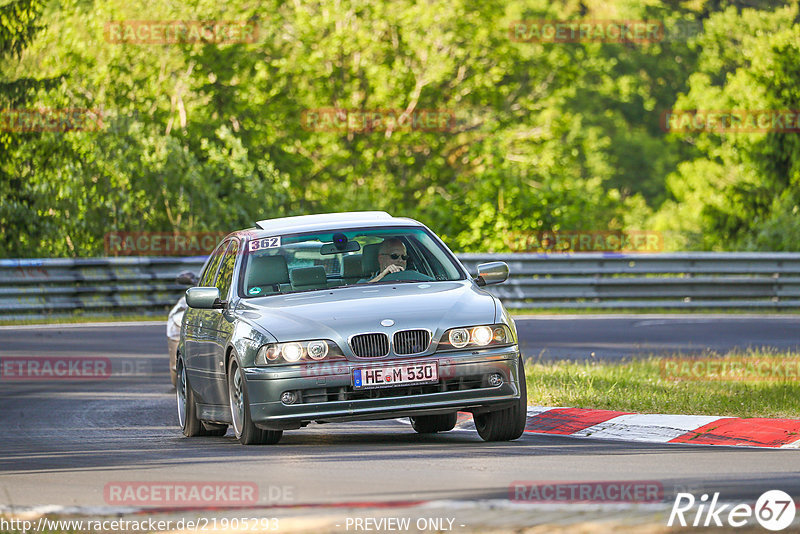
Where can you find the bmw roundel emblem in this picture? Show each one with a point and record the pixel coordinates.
(387, 322)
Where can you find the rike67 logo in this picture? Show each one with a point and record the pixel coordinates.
(774, 510)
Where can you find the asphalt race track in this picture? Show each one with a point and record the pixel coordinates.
(549, 337)
(611, 337)
(64, 442)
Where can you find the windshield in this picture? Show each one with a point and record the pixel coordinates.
(323, 260)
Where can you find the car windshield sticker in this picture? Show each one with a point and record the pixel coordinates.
(254, 291)
(266, 242)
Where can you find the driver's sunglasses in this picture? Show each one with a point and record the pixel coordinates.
(395, 256)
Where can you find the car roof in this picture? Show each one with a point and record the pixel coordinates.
(333, 221)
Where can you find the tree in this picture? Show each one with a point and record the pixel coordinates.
(742, 191)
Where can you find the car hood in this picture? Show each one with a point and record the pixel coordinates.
(340, 313)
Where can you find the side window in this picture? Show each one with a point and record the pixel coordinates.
(225, 276)
(207, 280)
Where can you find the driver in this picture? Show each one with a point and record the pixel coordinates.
(392, 258)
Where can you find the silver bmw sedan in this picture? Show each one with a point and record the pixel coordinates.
(345, 317)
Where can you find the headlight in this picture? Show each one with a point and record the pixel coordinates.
(317, 350)
(292, 352)
(476, 336)
(458, 337)
(298, 351)
(482, 335)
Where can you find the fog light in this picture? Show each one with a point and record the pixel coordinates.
(289, 397)
(495, 379)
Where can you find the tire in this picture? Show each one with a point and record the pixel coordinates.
(187, 408)
(173, 373)
(246, 432)
(430, 424)
(508, 423)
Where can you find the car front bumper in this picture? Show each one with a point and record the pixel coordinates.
(325, 390)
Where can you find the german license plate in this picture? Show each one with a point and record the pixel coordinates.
(395, 375)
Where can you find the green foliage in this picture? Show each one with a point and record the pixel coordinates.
(742, 190)
(19, 22)
(547, 136)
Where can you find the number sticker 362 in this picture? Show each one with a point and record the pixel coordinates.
(266, 242)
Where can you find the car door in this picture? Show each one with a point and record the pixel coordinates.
(201, 332)
(223, 323)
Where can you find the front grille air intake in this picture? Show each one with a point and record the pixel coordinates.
(370, 345)
(411, 341)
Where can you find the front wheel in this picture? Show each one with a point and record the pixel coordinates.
(430, 424)
(509, 423)
(246, 432)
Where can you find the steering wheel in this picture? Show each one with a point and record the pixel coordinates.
(409, 274)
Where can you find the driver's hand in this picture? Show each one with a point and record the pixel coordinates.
(392, 269)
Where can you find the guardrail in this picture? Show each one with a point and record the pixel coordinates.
(38, 288)
(675, 280)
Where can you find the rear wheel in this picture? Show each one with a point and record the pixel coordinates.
(430, 424)
(187, 408)
(246, 432)
(509, 423)
(173, 357)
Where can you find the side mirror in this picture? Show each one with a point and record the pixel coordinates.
(204, 298)
(187, 278)
(494, 272)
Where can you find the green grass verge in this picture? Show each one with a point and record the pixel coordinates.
(638, 386)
